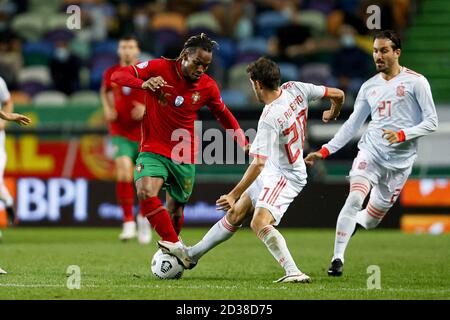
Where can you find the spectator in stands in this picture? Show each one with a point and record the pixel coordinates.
(64, 68)
(350, 64)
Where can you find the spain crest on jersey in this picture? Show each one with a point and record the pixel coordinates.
(195, 97)
(400, 91)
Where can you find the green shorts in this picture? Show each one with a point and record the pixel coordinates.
(178, 177)
(125, 147)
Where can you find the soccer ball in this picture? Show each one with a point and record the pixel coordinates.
(166, 266)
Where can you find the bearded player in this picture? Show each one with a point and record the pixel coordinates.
(402, 110)
(124, 108)
(176, 91)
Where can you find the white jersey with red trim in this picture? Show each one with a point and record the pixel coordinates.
(404, 103)
(281, 129)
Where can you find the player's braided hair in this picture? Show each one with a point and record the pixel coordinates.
(199, 41)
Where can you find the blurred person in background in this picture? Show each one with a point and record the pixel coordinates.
(6, 114)
(124, 108)
(64, 68)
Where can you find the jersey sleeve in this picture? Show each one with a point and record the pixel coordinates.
(351, 127)
(311, 91)
(4, 92)
(265, 140)
(429, 121)
(143, 70)
(215, 104)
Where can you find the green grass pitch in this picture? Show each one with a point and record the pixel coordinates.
(36, 259)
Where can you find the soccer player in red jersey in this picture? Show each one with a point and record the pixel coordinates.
(124, 108)
(176, 90)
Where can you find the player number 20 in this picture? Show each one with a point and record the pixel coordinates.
(301, 124)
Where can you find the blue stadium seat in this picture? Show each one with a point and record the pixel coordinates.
(267, 23)
(234, 99)
(256, 45)
(104, 47)
(289, 72)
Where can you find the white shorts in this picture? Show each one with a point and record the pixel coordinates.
(273, 191)
(2, 155)
(386, 183)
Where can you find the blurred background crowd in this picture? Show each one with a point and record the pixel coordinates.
(321, 41)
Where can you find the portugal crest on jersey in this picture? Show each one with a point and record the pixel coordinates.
(401, 91)
(195, 97)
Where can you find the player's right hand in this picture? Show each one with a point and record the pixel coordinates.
(311, 157)
(154, 83)
(110, 115)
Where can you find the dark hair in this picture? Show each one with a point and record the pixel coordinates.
(391, 35)
(266, 71)
(199, 41)
(129, 38)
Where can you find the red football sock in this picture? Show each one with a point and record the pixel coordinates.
(125, 198)
(159, 218)
(177, 222)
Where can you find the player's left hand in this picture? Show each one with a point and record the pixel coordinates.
(329, 115)
(391, 136)
(137, 113)
(18, 118)
(225, 202)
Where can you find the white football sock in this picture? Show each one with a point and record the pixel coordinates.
(6, 196)
(276, 244)
(220, 232)
(346, 223)
(371, 216)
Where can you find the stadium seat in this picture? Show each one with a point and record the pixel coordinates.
(80, 48)
(256, 45)
(59, 35)
(289, 72)
(38, 74)
(315, 20)
(108, 46)
(268, 22)
(37, 52)
(51, 6)
(29, 26)
(316, 73)
(103, 60)
(50, 98)
(204, 20)
(169, 20)
(227, 52)
(55, 21)
(234, 99)
(85, 97)
(247, 57)
(238, 79)
(165, 38)
(32, 88)
(20, 97)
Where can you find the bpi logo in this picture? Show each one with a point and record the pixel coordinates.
(43, 200)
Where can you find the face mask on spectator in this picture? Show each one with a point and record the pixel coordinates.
(61, 54)
(348, 41)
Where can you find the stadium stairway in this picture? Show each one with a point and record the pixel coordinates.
(427, 46)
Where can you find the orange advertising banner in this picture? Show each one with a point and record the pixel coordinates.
(426, 193)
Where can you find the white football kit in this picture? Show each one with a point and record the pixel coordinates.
(4, 96)
(403, 104)
(279, 139)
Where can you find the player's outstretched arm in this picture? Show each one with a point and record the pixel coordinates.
(16, 117)
(337, 98)
(227, 201)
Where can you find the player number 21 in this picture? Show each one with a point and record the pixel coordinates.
(301, 120)
(384, 108)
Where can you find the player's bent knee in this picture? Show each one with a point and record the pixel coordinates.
(235, 217)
